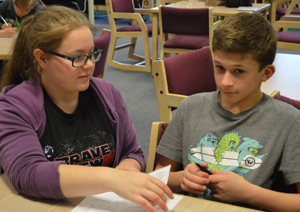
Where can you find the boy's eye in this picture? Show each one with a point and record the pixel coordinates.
(220, 68)
(238, 71)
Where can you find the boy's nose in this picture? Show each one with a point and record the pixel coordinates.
(227, 79)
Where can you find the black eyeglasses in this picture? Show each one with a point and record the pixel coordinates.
(81, 60)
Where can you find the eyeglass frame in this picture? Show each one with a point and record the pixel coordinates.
(98, 50)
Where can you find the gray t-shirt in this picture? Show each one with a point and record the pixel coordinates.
(255, 144)
(8, 12)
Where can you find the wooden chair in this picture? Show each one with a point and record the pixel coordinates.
(102, 43)
(180, 76)
(279, 184)
(99, 5)
(276, 95)
(285, 13)
(193, 29)
(124, 9)
(157, 131)
(288, 40)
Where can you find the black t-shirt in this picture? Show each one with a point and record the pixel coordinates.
(84, 137)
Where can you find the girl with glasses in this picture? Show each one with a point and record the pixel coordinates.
(64, 133)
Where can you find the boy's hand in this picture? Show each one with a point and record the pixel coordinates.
(228, 186)
(194, 180)
(9, 32)
(6, 26)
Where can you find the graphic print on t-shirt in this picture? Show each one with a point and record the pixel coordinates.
(92, 155)
(228, 153)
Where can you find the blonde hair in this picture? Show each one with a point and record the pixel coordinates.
(250, 35)
(45, 30)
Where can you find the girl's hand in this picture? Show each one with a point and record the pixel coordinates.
(142, 188)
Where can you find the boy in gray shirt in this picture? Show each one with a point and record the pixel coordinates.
(243, 136)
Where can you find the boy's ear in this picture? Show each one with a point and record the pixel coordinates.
(268, 73)
(40, 56)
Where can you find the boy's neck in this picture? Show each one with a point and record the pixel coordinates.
(242, 105)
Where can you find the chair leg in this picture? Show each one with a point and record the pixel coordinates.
(131, 51)
(147, 54)
(111, 51)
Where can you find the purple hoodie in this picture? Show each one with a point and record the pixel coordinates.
(22, 123)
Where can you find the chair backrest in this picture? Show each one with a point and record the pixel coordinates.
(102, 43)
(180, 76)
(278, 184)
(276, 95)
(157, 131)
(192, 21)
(122, 6)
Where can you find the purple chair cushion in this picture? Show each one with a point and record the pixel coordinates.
(289, 37)
(135, 28)
(191, 72)
(122, 6)
(282, 11)
(293, 102)
(187, 41)
(185, 20)
(103, 43)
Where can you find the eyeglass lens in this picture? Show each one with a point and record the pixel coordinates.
(82, 59)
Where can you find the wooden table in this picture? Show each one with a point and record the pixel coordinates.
(217, 11)
(286, 78)
(10, 200)
(6, 47)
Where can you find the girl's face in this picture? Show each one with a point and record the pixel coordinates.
(59, 76)
(21, 13)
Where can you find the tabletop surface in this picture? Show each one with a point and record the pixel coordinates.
(10, 200)
(5, 47)
(217, 10)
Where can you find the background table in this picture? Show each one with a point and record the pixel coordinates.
(5, 47)
(217, 11)
(286, 78)
(10, 200)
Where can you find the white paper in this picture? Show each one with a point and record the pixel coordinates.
(111, 202)
(247, 8)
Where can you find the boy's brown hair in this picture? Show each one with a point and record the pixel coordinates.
(250, 35)
(23, 4)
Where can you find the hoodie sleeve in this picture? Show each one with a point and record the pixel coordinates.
(21, 155)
